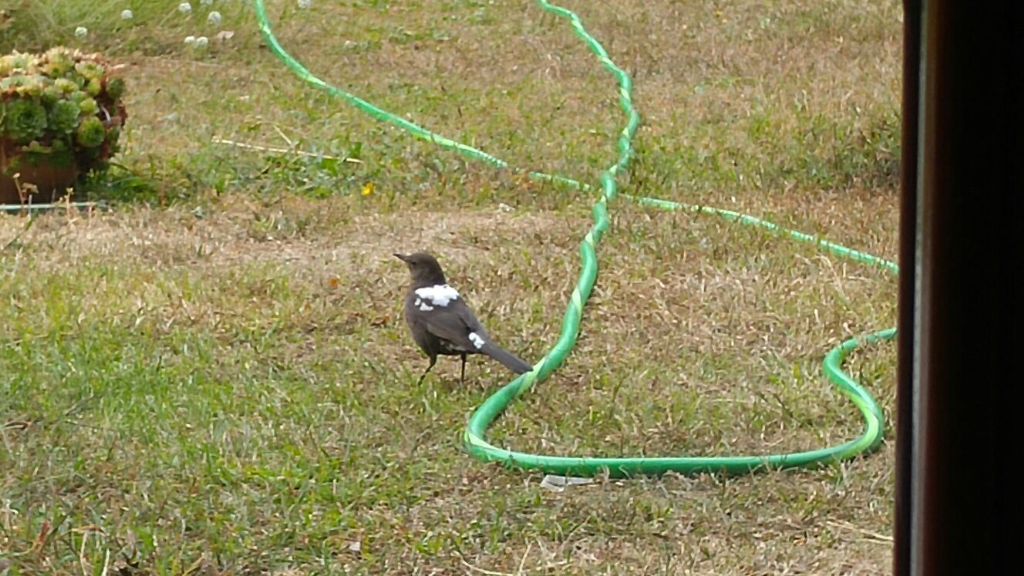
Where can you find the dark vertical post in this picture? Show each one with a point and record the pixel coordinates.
(908, 232)
(965, 492)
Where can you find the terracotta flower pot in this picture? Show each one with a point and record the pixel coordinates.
(49, 180)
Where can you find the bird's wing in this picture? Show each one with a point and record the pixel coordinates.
(460, 331)
(455, 323)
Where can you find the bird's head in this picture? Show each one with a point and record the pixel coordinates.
(424, 269)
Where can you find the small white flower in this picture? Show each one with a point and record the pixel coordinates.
(214, 18)
(185, 8)
(81, 32)
(127, 15)
(190, 40)
(305, 3)
(201, 42)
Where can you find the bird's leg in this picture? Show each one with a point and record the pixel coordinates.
(462, 379)
(433, 360)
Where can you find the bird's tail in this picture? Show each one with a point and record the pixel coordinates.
(510, 360)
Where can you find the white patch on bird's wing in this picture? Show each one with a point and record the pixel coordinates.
(476, 340)
(424, 307)
(438, 294)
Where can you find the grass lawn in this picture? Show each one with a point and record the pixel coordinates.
(214, 377)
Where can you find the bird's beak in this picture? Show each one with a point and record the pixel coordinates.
(402, 257)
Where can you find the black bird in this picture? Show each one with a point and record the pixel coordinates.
(442, 323)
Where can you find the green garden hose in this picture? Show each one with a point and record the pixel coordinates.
(475, 434)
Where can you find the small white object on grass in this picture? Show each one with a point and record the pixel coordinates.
(190, 40)
(202, 41)
(206, 2)
(81, 32)
(185, 8)
(127, 15)
(305, 3)
(214, 18)
(560, 483)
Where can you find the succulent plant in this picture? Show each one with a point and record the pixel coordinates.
(115, 88)
(63, 116)
(57, 64)
(60, 101)
(23, 120)
(91, 132)
(88, 106)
